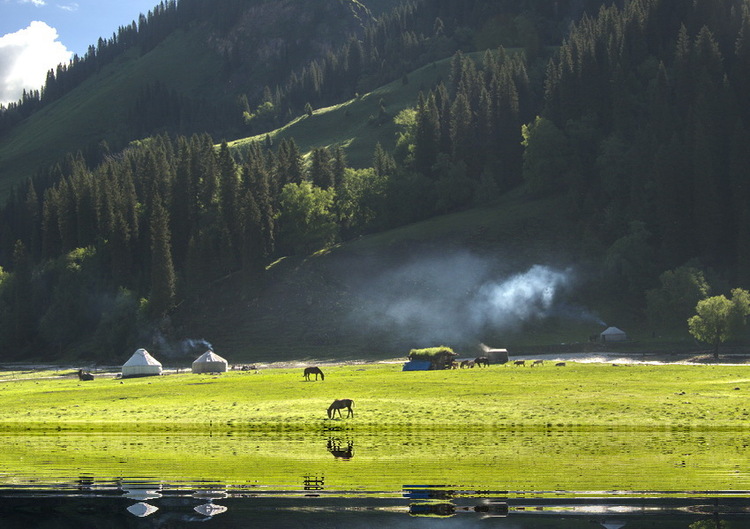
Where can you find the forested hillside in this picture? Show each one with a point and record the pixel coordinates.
(630, 119)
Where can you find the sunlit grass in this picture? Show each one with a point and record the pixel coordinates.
(577, 395)
(581, 427)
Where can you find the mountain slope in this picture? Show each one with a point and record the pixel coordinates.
(360, 123)
(199, 67)
(98, 109)
(416, 286)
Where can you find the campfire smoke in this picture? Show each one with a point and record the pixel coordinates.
(455, 298)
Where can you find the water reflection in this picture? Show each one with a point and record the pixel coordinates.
(331, 460)
(500, 478)
(341, 449)
(454, 510)
(142, 509)
(210, 509)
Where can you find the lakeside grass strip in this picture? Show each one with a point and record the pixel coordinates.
(531, 462)
(584, 427)
(582, 396)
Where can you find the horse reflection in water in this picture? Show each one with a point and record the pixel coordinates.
(339, 404)
(339, 451)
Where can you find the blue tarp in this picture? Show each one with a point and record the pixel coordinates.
(417, 365)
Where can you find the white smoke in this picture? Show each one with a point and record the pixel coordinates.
(454, 298)
(520, 298)
(191, 345)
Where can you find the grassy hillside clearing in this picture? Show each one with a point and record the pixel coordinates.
(358, 125)
(588, 396)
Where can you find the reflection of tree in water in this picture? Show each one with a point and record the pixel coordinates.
(341, 449)
(710, 524)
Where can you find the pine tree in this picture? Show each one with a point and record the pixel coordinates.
(163, 284)
(253, 248)
(289, 163)
(382, 162)
(320, 172)
(427, 135)
(184, 210)
(229, 196)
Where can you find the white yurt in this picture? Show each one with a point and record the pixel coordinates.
(141, 364)
(210, 362)
(613, 334)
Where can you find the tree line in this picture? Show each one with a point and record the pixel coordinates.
(644, 127)
(638, 120)
(104, 253)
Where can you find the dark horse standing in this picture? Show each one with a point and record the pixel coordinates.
(314, 371)
(82, 375)
(337, 406)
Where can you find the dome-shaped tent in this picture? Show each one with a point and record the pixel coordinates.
(209, 362)
(613, 334)
(141, 364)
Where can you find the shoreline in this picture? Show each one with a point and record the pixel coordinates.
(588, 357)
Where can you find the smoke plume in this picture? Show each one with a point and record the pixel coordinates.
(190, 346)
(453, 299)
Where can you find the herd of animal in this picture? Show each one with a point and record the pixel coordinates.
(483, 361)
(348, 404)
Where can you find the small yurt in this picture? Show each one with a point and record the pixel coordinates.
(613, 334)
(210, 362)
(141, 364)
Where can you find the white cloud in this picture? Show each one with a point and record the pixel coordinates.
(25, 58)
(68, 7)
(38, 3)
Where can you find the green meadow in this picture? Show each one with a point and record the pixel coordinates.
(574, 396)
(578, 428)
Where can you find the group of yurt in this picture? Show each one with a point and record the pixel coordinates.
(142, 364)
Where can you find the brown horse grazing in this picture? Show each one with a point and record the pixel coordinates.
(482, 361)
(519, 363)
(83, 375)
(338, 404)
(314, 371)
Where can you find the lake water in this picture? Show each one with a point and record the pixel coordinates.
(359, 478)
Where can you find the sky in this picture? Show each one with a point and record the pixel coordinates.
(37, 35)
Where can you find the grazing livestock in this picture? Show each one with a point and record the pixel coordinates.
(537, 363)
(519, 363)
(338, 404)
(309, 371)
(467, 363)
(482, 361)
(84, 375)
(560, 364)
